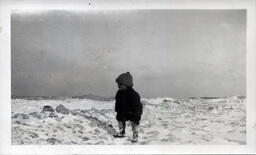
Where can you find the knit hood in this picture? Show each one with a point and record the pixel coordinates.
(125, 79)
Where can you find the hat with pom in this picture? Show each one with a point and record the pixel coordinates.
(125, 79)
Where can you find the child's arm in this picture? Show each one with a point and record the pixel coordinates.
(137, 106)
(116, 103)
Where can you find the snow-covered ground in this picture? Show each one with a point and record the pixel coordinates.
(219, 121)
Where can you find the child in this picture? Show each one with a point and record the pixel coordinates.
(128, 105)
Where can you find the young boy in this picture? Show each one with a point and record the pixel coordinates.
(128, 105)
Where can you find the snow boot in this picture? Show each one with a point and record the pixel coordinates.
(135, 135)
(121, 133)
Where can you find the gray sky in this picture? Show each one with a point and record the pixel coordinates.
(175, 53)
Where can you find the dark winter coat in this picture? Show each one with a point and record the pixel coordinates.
(128, 105)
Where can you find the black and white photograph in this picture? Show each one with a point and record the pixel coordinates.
(128, 76)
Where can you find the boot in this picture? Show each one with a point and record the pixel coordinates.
(121, 126)
(135, 137)
(135, 128)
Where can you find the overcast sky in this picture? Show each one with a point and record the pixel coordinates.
(175, 53)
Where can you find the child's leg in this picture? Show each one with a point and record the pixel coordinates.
(135, 129)
(121, 125)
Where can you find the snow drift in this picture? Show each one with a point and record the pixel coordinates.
(169, 121)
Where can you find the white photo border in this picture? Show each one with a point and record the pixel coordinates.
(6, 6)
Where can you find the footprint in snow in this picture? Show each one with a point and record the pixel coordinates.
(85, 138)
(53, 141)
